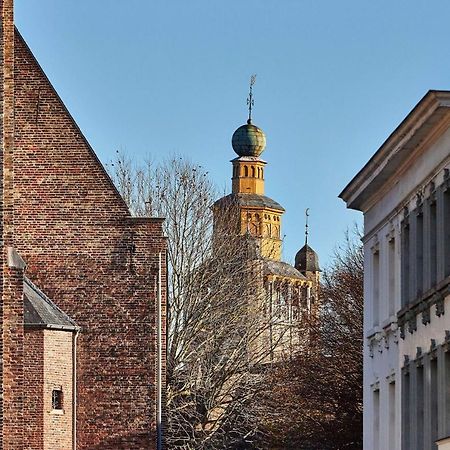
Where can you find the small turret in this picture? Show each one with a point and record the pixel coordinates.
(306, 259)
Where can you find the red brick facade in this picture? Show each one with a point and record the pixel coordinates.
(34, 388)
(98, 264)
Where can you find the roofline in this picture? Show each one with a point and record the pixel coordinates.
(424, 109)
(83, 137)
(45, 297)
(44, 326)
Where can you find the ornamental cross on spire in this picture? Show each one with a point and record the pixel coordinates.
(250, 101)
(306, 225)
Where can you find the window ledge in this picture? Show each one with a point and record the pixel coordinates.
(57, 412)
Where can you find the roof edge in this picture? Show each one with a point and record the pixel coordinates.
(416, 118)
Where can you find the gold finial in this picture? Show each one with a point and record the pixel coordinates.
(306, 225)
(250, 101)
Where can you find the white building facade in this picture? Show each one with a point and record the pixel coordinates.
(404, 193)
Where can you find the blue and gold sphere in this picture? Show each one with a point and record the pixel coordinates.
(248, 140)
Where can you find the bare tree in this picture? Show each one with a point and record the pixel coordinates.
(316, 400)
(217, 320)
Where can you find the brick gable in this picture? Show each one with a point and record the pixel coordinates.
(85, 251)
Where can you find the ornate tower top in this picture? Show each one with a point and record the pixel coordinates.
(250, 100)
(306, 225)
(249, 140)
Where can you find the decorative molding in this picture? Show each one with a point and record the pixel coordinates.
(426, 312)
(411, 321)
(440, 305)
(407, 317)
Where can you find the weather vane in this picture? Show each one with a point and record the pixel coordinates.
(306, 225)
(250, 101)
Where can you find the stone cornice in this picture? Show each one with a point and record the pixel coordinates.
(428, 115)
(408, 316)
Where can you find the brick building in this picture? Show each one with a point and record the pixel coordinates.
(82, 282)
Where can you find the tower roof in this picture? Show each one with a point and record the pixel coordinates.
(248, 140)
(249, 200)
(306, 260)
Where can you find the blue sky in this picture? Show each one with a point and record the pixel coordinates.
(158, 77)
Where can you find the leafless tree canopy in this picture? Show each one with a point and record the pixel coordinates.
(216, 318)
(316, 400)
(218, 394)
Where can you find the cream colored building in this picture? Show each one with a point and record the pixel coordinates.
(404, 193)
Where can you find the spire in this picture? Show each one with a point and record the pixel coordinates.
(306, 225)
(250, 100)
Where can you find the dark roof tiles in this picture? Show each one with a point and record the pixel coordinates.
(281, 269)
(41, 312)
(250, 200)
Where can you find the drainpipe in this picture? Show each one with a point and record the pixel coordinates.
(159, 359)
(74, 388)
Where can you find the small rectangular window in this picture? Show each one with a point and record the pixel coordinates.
(57, 399)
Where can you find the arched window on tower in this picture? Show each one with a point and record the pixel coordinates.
(262, 173)
(245, 171)
(253, 172)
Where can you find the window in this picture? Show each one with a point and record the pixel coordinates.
(434, 401)
(376, 419)
(419, 405)
(433, 243)
(392, 415)
(57, 399)
(419, 254)
(376, 287)
(392, 276)
(245, 171)
(406, 423)
(405, 275)
(447, 232)
(253, 172)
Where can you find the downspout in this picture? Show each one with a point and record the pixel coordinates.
(74, 388)
(159, 359)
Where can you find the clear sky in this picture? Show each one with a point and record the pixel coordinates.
(334, 78)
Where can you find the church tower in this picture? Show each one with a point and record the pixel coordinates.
(289, 294)
(258, 215)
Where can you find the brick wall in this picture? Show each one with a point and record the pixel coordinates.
(58, 374)
(84, 251)
(34, 389)
(11, 278)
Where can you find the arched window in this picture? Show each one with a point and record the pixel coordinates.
(262, 173)
(254, 229)
(245, 171)
(259, 172)
(253, 172)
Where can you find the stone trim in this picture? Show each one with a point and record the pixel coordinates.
(407, 317)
